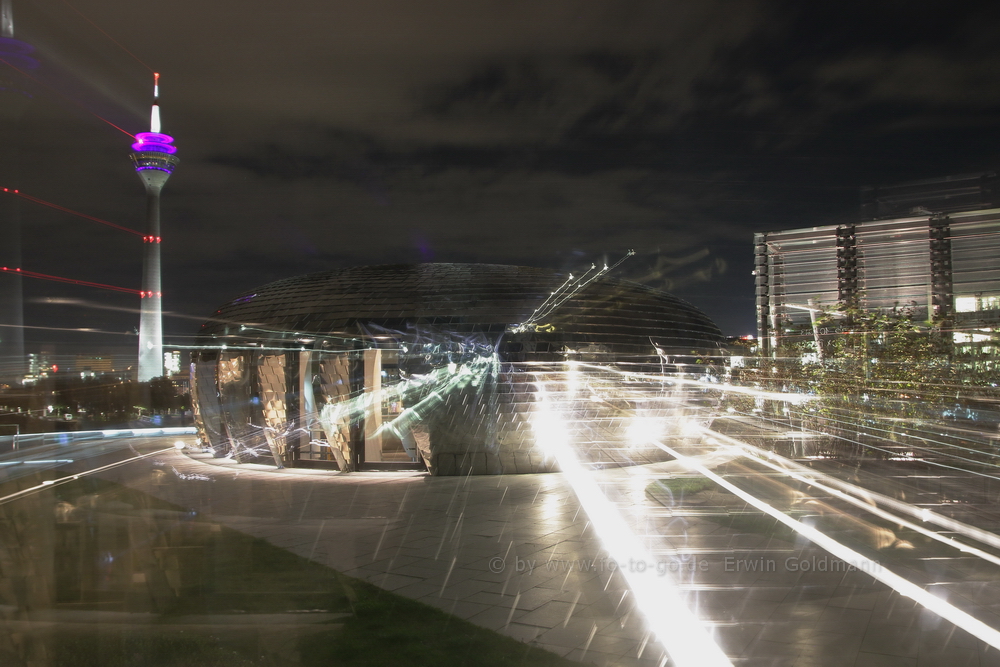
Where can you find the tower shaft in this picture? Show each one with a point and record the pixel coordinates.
(151, 309)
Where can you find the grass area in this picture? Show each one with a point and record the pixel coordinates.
(383, 630)
(675, 489)
(387, 629)
(756, 523)
(117, 648)
(191, 569)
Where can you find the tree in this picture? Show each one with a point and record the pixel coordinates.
(163, 395)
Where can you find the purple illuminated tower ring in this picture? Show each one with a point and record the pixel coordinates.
(154, 158)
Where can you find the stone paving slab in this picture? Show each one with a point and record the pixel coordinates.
(464, 545)
(433, 539)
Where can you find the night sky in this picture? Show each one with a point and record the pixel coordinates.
(318, 134)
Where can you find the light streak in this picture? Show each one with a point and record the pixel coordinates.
(552, 437)
(72, 281)
(549, 426)
(904, 587)
(432, 387)
(808, 476)
(100, 306)
(679, 631)
(103, 32)
(36, 200)
(48, 484)
(570, 287)
(789, 397)
(80, 329)
(911, 446)
(56, 91)
(930, 441)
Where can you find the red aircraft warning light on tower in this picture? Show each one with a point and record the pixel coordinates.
(155, 158)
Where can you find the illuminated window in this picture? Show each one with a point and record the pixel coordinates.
(172, 362)
(971, 304)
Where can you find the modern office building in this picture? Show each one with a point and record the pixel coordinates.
(454, 367)
(91, 365)
(928, 249)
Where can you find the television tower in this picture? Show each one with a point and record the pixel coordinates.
(15, 58)
(154, 158)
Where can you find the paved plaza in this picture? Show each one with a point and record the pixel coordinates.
(517, 554)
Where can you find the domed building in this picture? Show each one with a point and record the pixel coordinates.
(448, 367)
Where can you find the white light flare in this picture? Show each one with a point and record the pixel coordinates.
(904, 587)
(644, 431)
(680, 632)
(572, 377)
(786, 397)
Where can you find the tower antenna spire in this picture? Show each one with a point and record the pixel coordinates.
(154, 116)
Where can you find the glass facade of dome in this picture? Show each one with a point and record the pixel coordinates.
(443, 366)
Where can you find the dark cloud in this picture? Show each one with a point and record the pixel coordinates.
(557, 134)
(551, 98)
(313, 154)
